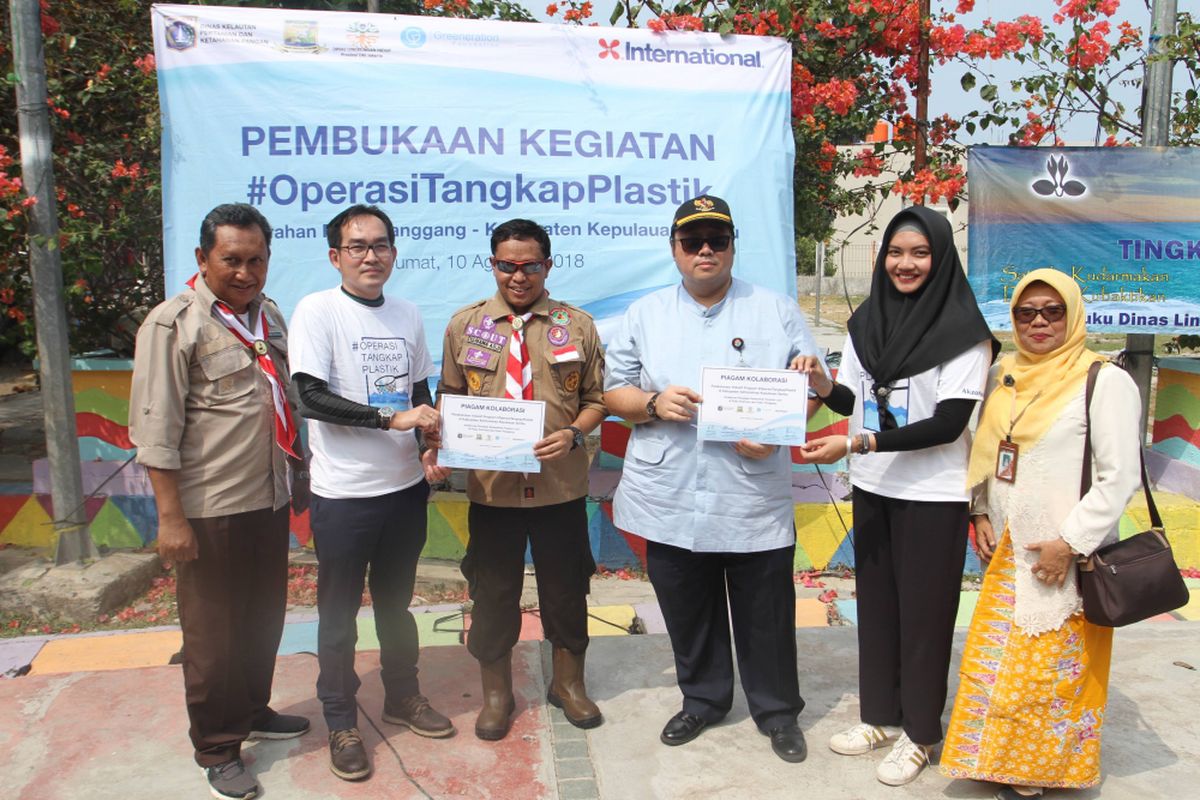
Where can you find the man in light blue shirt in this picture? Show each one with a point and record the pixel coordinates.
(717, 517)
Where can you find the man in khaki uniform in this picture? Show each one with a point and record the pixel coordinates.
(522, 344)
(211, 420)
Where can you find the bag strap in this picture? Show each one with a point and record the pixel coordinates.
(1085, 479)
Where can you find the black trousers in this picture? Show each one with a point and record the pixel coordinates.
(231, 605)
(385, 534)
(699, 594)
(908, 560)
(494, 567)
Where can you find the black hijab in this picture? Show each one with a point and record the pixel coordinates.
(897, 335)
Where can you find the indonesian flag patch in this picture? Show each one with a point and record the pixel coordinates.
(568, 353)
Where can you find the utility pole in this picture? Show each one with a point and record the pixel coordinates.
(819, 274)
(372, 6)
(1156, 122)
(45, 266)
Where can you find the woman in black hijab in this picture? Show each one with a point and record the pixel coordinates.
(913, 367)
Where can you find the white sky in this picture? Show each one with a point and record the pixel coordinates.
(946, 94)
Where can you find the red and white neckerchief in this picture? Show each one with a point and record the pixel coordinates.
(285, 427)
(518, 383)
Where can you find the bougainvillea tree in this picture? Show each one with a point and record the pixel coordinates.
(100, 77)
(856, 63)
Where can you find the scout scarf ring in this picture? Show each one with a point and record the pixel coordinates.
(285, 427)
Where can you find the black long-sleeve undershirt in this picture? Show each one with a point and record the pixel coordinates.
(949, 420)
(840, 400)
(319, 403)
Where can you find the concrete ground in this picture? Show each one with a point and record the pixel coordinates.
(115, 732)
(102, 716)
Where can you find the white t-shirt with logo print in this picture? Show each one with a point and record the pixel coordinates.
(932, 474)
(372, 356)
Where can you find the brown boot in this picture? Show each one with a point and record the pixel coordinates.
(568, 692)
(495, 718)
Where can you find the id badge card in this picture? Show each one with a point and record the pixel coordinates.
(1006, 461)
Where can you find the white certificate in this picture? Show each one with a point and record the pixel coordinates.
(491, 433)
(768, 406)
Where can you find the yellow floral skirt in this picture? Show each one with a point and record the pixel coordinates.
(1029, 709)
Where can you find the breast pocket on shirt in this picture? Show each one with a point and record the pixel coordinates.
(228, 373)
(567, 370)
(650, 452)
(759, 353)
(480, 367)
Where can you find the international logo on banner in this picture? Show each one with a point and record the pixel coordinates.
(454, 126)
(1123, 222)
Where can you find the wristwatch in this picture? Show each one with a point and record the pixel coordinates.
(576, 436)
(385, 416)
(651, 410)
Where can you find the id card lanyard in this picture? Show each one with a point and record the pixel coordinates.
(1008, 451)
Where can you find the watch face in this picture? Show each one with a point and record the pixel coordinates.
(387, 411)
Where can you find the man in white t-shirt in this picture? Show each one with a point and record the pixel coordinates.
(360, 363)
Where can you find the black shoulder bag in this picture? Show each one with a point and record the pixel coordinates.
(1135, 578)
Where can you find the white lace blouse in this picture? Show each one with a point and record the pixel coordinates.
(1044, 502)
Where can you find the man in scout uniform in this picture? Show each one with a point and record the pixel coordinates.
(522, 344)
(211, 420)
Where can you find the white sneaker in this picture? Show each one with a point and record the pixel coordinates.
(862, 738)
(904, 763)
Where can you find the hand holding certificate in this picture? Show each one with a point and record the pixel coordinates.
(491, 433)
(768, 406)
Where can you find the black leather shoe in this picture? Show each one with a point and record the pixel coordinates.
(682, 728)
(788, 743)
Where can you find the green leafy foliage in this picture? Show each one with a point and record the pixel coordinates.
(105, 124)
(854, 64)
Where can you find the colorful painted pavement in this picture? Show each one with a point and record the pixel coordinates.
(122, 514)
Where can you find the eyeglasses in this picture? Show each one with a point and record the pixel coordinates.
(527, 267)
(380, 249)
(693, 244)
(1027, 314)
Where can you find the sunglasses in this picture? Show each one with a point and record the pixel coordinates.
(693, 244)
(527, 267)
(1027, 314)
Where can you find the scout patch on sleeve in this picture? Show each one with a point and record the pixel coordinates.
(474, 382)
(560, 316)
(571, 383)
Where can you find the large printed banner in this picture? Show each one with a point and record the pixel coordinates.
(453, 126)
(1123, 222)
